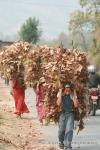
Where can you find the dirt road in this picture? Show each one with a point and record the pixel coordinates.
(18, 134)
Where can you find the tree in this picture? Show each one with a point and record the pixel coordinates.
(86, 21)
(30, 31)
(62, 38)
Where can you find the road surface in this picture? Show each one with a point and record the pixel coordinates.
(88, 139)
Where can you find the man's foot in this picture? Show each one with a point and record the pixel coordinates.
(61, 145)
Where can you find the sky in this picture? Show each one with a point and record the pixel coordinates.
(53, 15)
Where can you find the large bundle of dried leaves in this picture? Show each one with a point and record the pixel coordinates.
(68, 66)
(12, 60)
(57, 65)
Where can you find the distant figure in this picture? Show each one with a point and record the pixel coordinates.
(18, 93)
(93, 79)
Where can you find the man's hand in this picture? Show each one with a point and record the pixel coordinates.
(60, 91)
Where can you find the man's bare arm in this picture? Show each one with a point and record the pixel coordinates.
(59, 97)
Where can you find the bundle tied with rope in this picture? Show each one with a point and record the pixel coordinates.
(69, 66)
(57, 65)
(12, 61)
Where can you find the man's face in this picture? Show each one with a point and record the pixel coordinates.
(67, 91)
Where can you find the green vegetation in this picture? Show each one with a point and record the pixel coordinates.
(84, 27)
(30, 31)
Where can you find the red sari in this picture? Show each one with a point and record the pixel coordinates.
(18, 93)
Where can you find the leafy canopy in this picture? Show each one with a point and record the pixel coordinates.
(86, 21)
(30, 31)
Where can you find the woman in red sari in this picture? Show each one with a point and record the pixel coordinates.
(18, 93)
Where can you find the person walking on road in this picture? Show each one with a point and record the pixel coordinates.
(39, 90)
(66, 119)
(18, 93)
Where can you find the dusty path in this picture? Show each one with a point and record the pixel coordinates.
(27, 134)
(18, 134)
